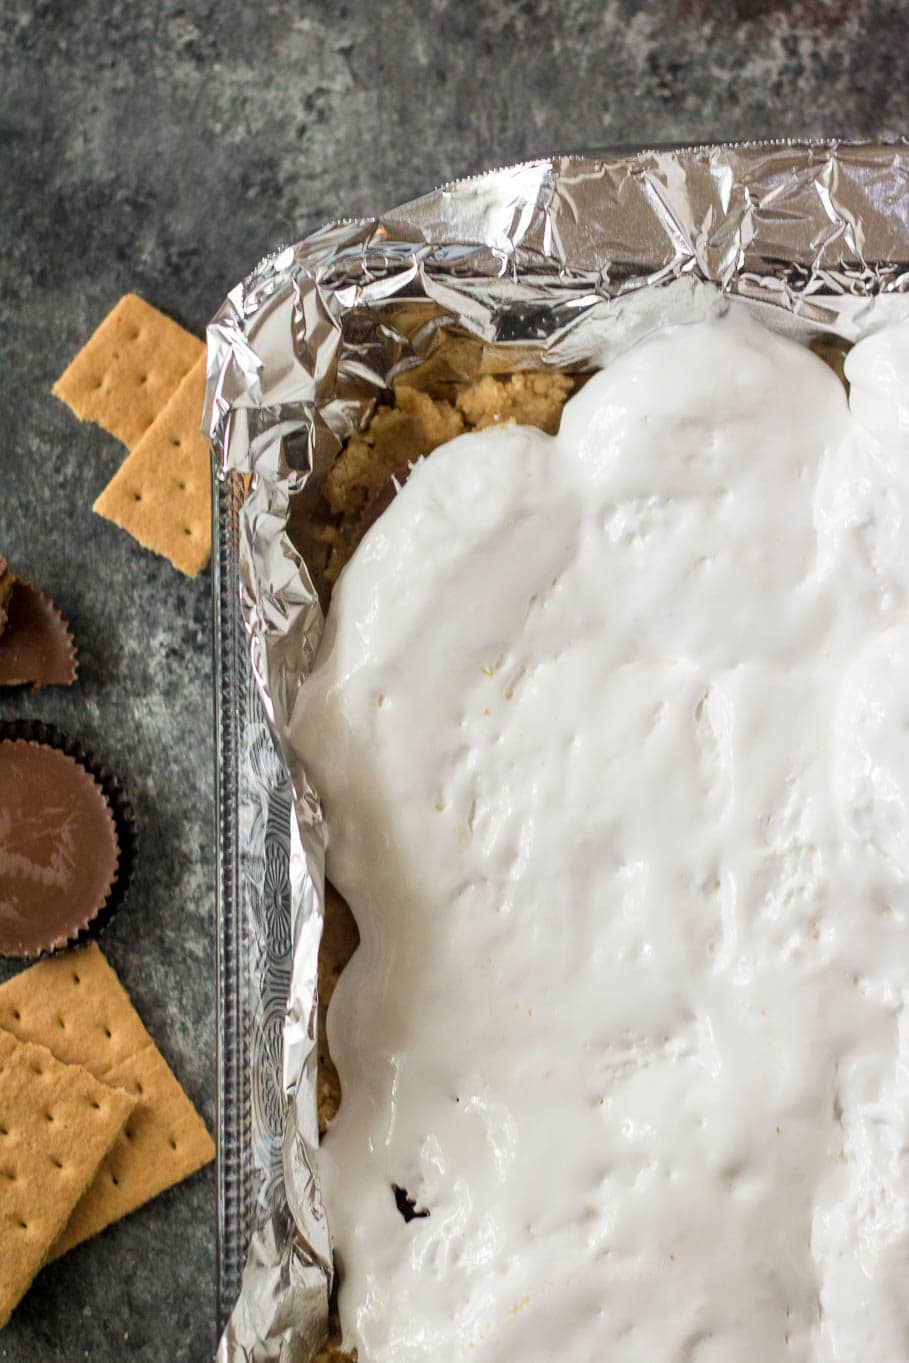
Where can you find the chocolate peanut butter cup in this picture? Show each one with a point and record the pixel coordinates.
(35, 643)
(62, 866)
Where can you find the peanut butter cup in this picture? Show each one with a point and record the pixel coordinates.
(59, 850)
(35, 646)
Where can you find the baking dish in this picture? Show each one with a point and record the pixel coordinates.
(563, 256)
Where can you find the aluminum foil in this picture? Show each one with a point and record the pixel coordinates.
(557, 262)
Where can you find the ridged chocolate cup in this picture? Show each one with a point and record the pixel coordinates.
(91, 923)
(37, 648)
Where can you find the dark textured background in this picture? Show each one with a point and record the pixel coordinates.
(163, 147)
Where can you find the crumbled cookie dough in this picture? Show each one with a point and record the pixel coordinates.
(535, 398)
(412, 428)
(395, 437)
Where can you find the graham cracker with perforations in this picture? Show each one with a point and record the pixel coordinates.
(75, 1006)
(142, 377)
(57, 1123)
(125, 373)
(161, 494)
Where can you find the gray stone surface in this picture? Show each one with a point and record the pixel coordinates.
(162, 147)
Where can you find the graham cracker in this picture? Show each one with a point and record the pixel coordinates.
(161, 494)
(124, 375)
(57, 1123)
(75, 1005)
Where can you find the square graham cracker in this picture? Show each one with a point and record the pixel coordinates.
(75, 1005)
(57, 1124)
(130, 367)
(161, 493)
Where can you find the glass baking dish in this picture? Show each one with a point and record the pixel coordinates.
(252, 927)
(775, 264)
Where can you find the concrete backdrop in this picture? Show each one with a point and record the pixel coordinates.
(163, 148)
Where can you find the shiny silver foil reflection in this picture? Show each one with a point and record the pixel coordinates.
(559, 262)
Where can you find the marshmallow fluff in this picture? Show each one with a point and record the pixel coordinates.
(611, 731)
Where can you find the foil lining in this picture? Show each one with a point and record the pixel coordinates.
(558, 262)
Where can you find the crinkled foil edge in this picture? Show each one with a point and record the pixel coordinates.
(561, 261)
